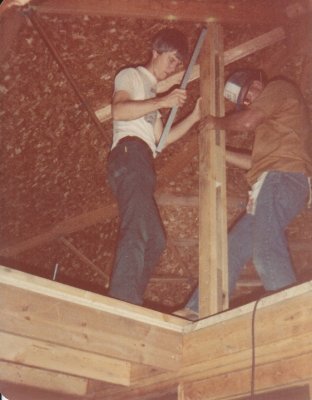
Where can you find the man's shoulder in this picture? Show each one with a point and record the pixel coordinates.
(127, 77)
(279, 95)
(281, 86)
(131, 71)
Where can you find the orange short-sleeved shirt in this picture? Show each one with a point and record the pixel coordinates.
(283, 140)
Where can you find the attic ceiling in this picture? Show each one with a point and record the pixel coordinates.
(58, 61)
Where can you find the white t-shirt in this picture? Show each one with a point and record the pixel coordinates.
(141, 85)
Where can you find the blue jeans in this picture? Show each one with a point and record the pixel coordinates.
(141, 239)
(261, 237)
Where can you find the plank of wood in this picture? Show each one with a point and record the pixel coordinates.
(212, 370)
(288, 336)
(284, 334)
(292, 317)
(39, 378)
(34, 284)
(50, 356)
(85, 259)
(199, 11)
(83, 328)
(63, 228)
(139, 372)
(212, 283)
(215, 367)
(102, 214)
(48, 310)
(271, 376)
(230, 56)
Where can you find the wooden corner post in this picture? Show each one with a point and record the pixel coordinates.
(213, 277)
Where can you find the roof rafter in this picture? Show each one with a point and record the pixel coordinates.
(223, 11)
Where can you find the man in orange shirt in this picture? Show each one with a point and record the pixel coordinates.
(278, 172)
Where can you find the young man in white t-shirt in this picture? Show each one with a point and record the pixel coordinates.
(137, 127)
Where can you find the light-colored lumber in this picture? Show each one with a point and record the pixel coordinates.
(18, 374)
(33, 284)
(68, 316)
(139, 372)
(220, 345)
(50, 356)
(229, 333)
(268, 377)
(213, 284)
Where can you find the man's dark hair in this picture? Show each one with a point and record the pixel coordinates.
(170, 39)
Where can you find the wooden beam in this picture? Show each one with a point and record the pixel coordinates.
(63, 228)
(90, 218)
(269, 377)
(32, 17)
(212, 283)
(18, 374)
(214, 349)
(46, 310)
(184, 10)
(139, 372)
(54, 357)
(230, 56)
(235, 325)
(86, 260)
(221, 346)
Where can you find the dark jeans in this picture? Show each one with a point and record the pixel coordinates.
(141, 238)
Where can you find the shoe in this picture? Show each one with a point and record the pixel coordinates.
(187, 313)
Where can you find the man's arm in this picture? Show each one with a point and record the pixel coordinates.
(181, 128)
(240, 160)
(126, 109)
(246, 120)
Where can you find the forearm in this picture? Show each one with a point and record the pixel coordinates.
(240, 160)
(246, 120)
(181, 128)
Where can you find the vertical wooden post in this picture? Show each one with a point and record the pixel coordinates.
(181, 391)
(213, 282)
